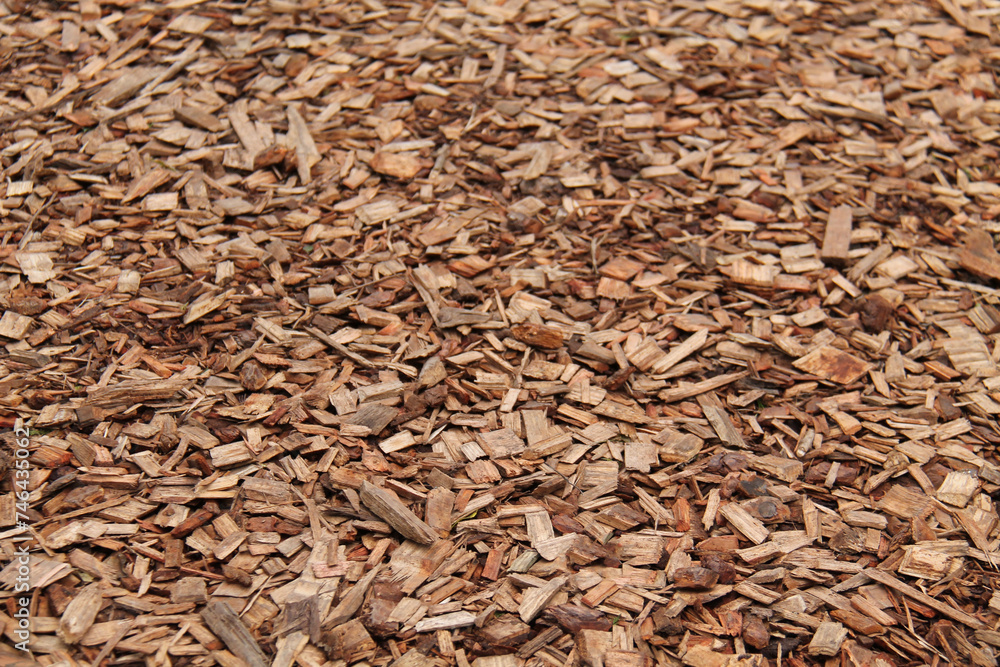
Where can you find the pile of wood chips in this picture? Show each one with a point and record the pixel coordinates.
(504, 334)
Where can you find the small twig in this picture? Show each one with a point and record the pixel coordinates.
(34, 217)
(551, 469)
(21, 115)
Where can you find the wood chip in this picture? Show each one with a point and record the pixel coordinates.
(396, 514)
(501, 334)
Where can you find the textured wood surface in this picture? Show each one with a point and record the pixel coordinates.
(500, 333)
